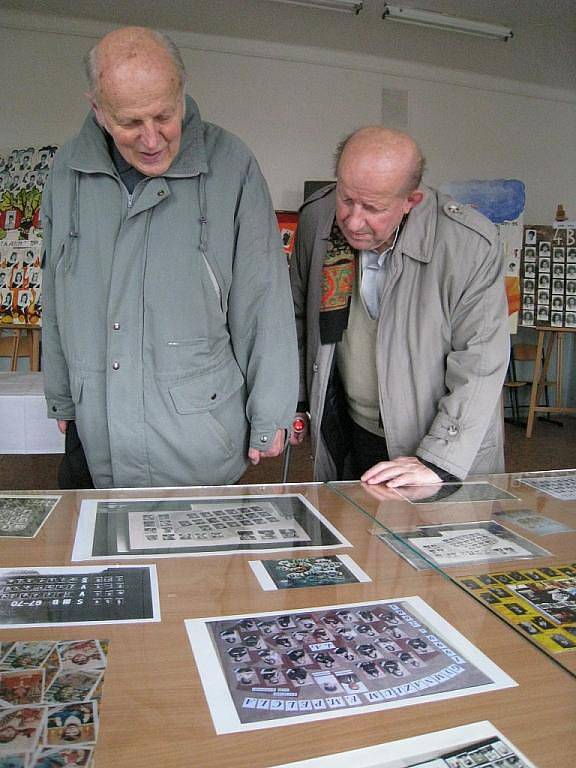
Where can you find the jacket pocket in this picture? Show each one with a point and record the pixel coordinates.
(207, 391)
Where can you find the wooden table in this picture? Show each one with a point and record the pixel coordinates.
(154, 711)
(395, 514)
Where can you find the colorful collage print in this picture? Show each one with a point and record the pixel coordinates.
(541, 602)
(50, 694)
(548, 278)
(23, 173)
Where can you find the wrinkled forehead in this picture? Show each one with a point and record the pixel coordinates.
(382, 169)
(142, 72)
(369, 179)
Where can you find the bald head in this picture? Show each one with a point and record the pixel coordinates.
(394, 153)
(378, 174)
(133, 47)
(136, 77)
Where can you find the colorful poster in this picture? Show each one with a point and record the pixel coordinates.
(136, 528)
(287, 223)
(23, 516)
(43, 597)
(502, 201)
(297, 572)
(20, 282)
(476, 744)
(50, 695)
(541, 602)
(463, 543)
(273, 669)
(23, 173)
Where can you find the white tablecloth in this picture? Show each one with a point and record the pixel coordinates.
(24, 426)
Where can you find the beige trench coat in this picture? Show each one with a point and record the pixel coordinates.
(443, 340)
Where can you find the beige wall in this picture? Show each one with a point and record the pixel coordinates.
(291, 105)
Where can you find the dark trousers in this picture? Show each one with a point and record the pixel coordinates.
(73, 472)
(366, 449)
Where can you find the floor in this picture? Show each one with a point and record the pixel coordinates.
(551, 447)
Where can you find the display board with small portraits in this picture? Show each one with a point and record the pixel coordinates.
(23, 173)
(548, 277)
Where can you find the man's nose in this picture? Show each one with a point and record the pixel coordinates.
(356, 220)
(150, 135)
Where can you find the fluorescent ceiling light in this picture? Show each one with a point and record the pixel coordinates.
(346, 6)
(449, 23)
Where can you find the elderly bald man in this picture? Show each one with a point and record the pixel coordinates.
(168, 332)
(402, 322)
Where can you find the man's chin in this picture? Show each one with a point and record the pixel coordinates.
(361, 242)
(153, 166)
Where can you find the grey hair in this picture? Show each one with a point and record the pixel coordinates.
(412, 182)
(91, 60)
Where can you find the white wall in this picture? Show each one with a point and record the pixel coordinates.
(292, 105)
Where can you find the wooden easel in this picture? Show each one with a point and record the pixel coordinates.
(541, 365)
(24, 341)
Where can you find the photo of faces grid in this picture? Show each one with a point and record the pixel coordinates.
(548, 277)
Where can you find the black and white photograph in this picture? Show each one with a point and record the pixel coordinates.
(560, 486)
(177, 527)
(68, 596)
(462, 544)
(23, 516)
(466, 746)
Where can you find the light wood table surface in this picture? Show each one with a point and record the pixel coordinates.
(154, 712)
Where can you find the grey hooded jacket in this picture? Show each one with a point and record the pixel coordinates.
(442, 344)
(168, 328)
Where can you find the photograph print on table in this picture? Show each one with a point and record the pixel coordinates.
(540, 602)
(176, 527)
(43, 597)
(330, 570)
(466, 746)
(23, 516)
(50, 695)
(531, 521)
(270, 669)
(559, 486)
(461, 544)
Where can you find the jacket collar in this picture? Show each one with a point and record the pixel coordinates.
(419, 232)
(90, 153)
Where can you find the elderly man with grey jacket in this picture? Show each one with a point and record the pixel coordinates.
(402, 323)
(168, 329)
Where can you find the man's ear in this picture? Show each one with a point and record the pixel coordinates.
(414, 199)
(98, 114)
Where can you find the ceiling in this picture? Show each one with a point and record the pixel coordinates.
(543, 50)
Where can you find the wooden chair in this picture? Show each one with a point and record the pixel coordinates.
(523, 353)
(20, 341)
